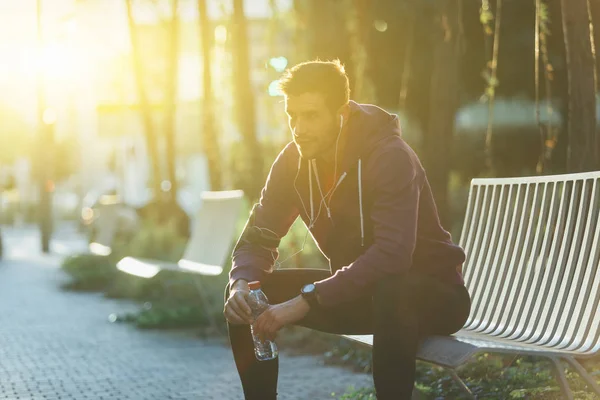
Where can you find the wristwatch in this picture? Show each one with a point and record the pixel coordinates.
(309, 292)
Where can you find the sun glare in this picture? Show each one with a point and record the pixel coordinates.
(56, 61)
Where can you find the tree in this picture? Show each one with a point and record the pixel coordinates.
(171, 97)
(443, 101)
(15, 135)
(209, 132)
(360, 21)
(324, 29)
(583, 153)
(151, 140)
(245, 108)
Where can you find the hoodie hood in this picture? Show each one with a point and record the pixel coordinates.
(368, 125)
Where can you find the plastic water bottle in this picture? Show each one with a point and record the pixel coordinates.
(263, 349)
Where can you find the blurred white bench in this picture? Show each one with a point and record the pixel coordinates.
(213, 234)
(533, 272)
(110, 218)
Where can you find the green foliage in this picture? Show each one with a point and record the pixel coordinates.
(486, 16)
(89, 272)
(126, 286)
(165, 214)
(157, 242)
(176, 303)
(490, 376)
(99, 273)
(299, 250)
(172, 299)
(239, 169)
(166, 316)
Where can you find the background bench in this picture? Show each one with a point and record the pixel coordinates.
(109, 220)
(213, 234)
(533, 272)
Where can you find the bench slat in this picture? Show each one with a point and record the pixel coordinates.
(502, 305)
(532, 261)
(522, 276)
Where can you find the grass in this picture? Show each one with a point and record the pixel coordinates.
(494, 377)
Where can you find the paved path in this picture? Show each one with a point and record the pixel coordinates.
(60, 345)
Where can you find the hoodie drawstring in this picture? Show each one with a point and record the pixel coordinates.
(362, 224)
(310, 193)
(312, 206)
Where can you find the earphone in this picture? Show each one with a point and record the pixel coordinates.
(330, 192)
(312, 221)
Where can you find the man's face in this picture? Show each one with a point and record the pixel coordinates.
(314, 127)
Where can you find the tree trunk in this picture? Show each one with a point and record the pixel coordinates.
(171, 98)
(46, 149)
(583, 153)
(443, 102)
(594, 15)
(245, 105)
(209, 133)
(301, 52)
(328, 34)
(151, 142)
(360, 25)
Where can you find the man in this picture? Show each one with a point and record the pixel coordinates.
(364, 196)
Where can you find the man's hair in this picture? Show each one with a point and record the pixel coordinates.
(326, 77)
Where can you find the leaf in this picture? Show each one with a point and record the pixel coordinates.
(485, 16)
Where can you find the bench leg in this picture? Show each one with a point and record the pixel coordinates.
(584, 374)
(562, 379)
(462, 384)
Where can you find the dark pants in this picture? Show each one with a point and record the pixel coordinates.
(400, 312)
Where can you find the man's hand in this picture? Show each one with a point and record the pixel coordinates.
(279, 315)
(237, 311)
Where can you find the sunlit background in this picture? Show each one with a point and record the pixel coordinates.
(96, 100)
(90, 101)
(135, 135)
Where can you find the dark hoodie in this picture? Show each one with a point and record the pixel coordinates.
(383, 217)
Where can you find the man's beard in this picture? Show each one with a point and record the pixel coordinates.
(318, 149)
(329, 148)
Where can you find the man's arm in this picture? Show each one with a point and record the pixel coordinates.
(396, 185)
(270, 219)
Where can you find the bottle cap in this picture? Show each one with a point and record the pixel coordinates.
(254, 285)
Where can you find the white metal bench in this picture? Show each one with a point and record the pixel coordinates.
(209, 246)
(533, 272)
(109, 219)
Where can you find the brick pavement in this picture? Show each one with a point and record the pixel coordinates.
(60, 345)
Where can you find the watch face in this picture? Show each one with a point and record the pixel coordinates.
(308, 288)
